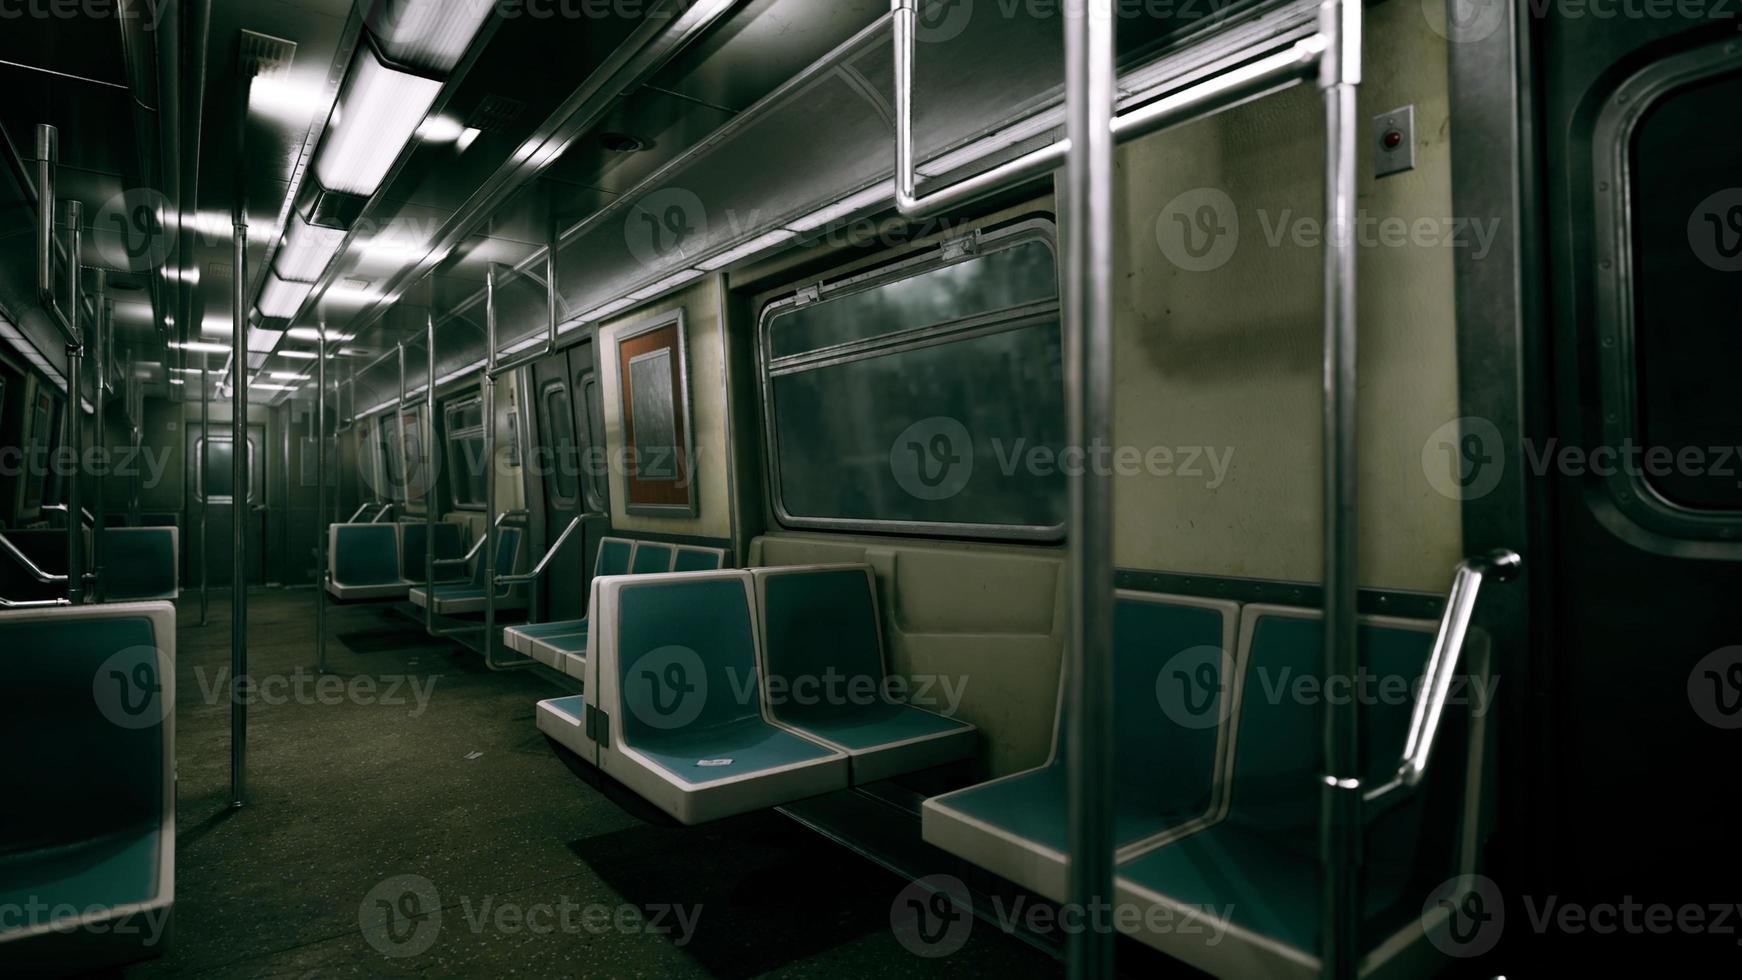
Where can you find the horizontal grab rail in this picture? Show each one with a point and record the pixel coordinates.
(1442, 665)
(6, 603)
(544, 563)
(90, 518)
(1294, 64)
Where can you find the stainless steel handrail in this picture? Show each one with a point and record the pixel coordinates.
(35, 571)
(1296, 63)
(544, 563)
(1442, 666)
(90, 518)
(386, 509)
(360, 511)
(6, 603)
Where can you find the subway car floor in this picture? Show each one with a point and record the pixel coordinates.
(424, 764)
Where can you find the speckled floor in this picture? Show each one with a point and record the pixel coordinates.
(406, 818)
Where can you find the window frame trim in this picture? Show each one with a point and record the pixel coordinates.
(940, 255)
(451, 435)
(1630, 504)
(577, 500)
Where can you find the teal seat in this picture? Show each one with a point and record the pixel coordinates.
(652, 558)
(827, 675)
(693, 559)
(92, 842)
(1165, 762)
(1260, 862)
(461, 599)
(614, 558)
(413, 537)
(141, 563)
(363, 562)
(677, 685)
(565, 721)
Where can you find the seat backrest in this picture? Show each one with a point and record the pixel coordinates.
(652, 558)
(1276, 752)
(614, 556)
(693, 559)
(93, 690)
(140, 563)
(676, 640)
(413, 537)
(819, 621)
(364, 554)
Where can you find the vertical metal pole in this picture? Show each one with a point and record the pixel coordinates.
(100, 438)
(489, 400)
(200, 479)
(75, 422)
(1089, 244)
(404, 489)
(1340, 822)
(429, 494)
(321, 501)
(239, 498)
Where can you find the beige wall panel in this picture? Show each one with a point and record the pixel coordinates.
(1229, 358)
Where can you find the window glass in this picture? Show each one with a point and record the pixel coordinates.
(561, 482)
(954, 428)
(466, 469)
(1686, 217)
(999, 280)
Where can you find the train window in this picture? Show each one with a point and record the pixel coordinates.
(907, 410)
(593, 476)
(217, 474)
(43, 420)
(392, 458)
(559, 416)
(465, 437)
(1686, 218)
(412, 434)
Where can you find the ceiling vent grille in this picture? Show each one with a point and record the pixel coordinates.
(264, 56)
(495, 113)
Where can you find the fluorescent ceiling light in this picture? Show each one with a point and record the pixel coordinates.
(299, 355)
(281, 300)
(260, 339)
(593, 316)
(283, 99)
(427, 34)
(779, 236)
(284, 375)
(667, 284)
(378, 110)
(266, 387)
(351, 295)
(201, 346)
(216, 325)
(307, 251)
(311, 333)
(873, 197)
(177, 381)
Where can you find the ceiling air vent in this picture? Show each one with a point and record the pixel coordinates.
(495, 113)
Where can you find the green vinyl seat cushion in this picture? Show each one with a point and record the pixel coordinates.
(614, 556)
(365, 555)
(139, 563)
(652, 558)
(1165, 764)
(699, 560)
(685, 702)
(1261, 861)
(823, 654)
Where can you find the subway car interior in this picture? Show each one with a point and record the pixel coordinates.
(737, 488)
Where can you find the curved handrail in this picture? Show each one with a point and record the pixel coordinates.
(46, 578)
(478, 545)
(550, 553)
(1424, 724)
